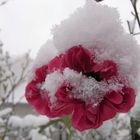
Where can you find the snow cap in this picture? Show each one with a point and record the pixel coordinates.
(95, 26)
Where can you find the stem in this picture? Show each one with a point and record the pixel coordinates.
(136, 11)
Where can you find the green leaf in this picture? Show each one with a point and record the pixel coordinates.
(135, 125)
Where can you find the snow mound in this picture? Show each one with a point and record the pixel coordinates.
(27, 121)
(97, 28)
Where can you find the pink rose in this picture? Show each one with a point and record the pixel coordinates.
(84, 114)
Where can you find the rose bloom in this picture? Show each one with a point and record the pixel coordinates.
(85, 113)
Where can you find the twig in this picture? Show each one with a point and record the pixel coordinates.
(14, 84)
(136, 11)
(136, 18)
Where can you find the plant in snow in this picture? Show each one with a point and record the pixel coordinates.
(94, 73)
(40, 128)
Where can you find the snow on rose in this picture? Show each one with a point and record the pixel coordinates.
(93, 72)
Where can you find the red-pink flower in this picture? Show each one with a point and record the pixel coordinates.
(84, 114)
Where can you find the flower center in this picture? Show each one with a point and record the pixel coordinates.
(96, 76)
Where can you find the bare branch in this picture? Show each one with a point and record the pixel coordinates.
(136, 18)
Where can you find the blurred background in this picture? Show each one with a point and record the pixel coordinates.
(25, 25)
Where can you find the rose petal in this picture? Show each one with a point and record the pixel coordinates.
(107, 69)
(85, 118)
(54, 64)
(41, 73)
(94, 116)
(114, 97)
(38, 101)
(64, 105)
(62, 109)
(128, 100)
(78, 58)
(62, 94)
(107, 111)
(78, 115)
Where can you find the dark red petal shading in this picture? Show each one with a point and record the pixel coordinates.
(78, 59)
(85, 117)
(35, 99)
(115, 97)
(55, 64)
(62, 109)
(106, 69)
(128, 100)
(93, 114)
(64, 105)
(79, 119)
(107, 110)
(41, 73)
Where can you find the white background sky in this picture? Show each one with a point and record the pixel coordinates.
(26, 24)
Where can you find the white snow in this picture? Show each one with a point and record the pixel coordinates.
(6, 138)
(98, 28)
(84, 88)
(35, 135)
(52, 82)
(28, 121)
(106, 128)
(1, 122)
(45, 54)
(15, 121)
(5, 112)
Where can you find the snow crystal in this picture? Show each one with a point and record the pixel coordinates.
(52, 82)
(87, 88)
(73, 77)
(113, 84)
(84, 88)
